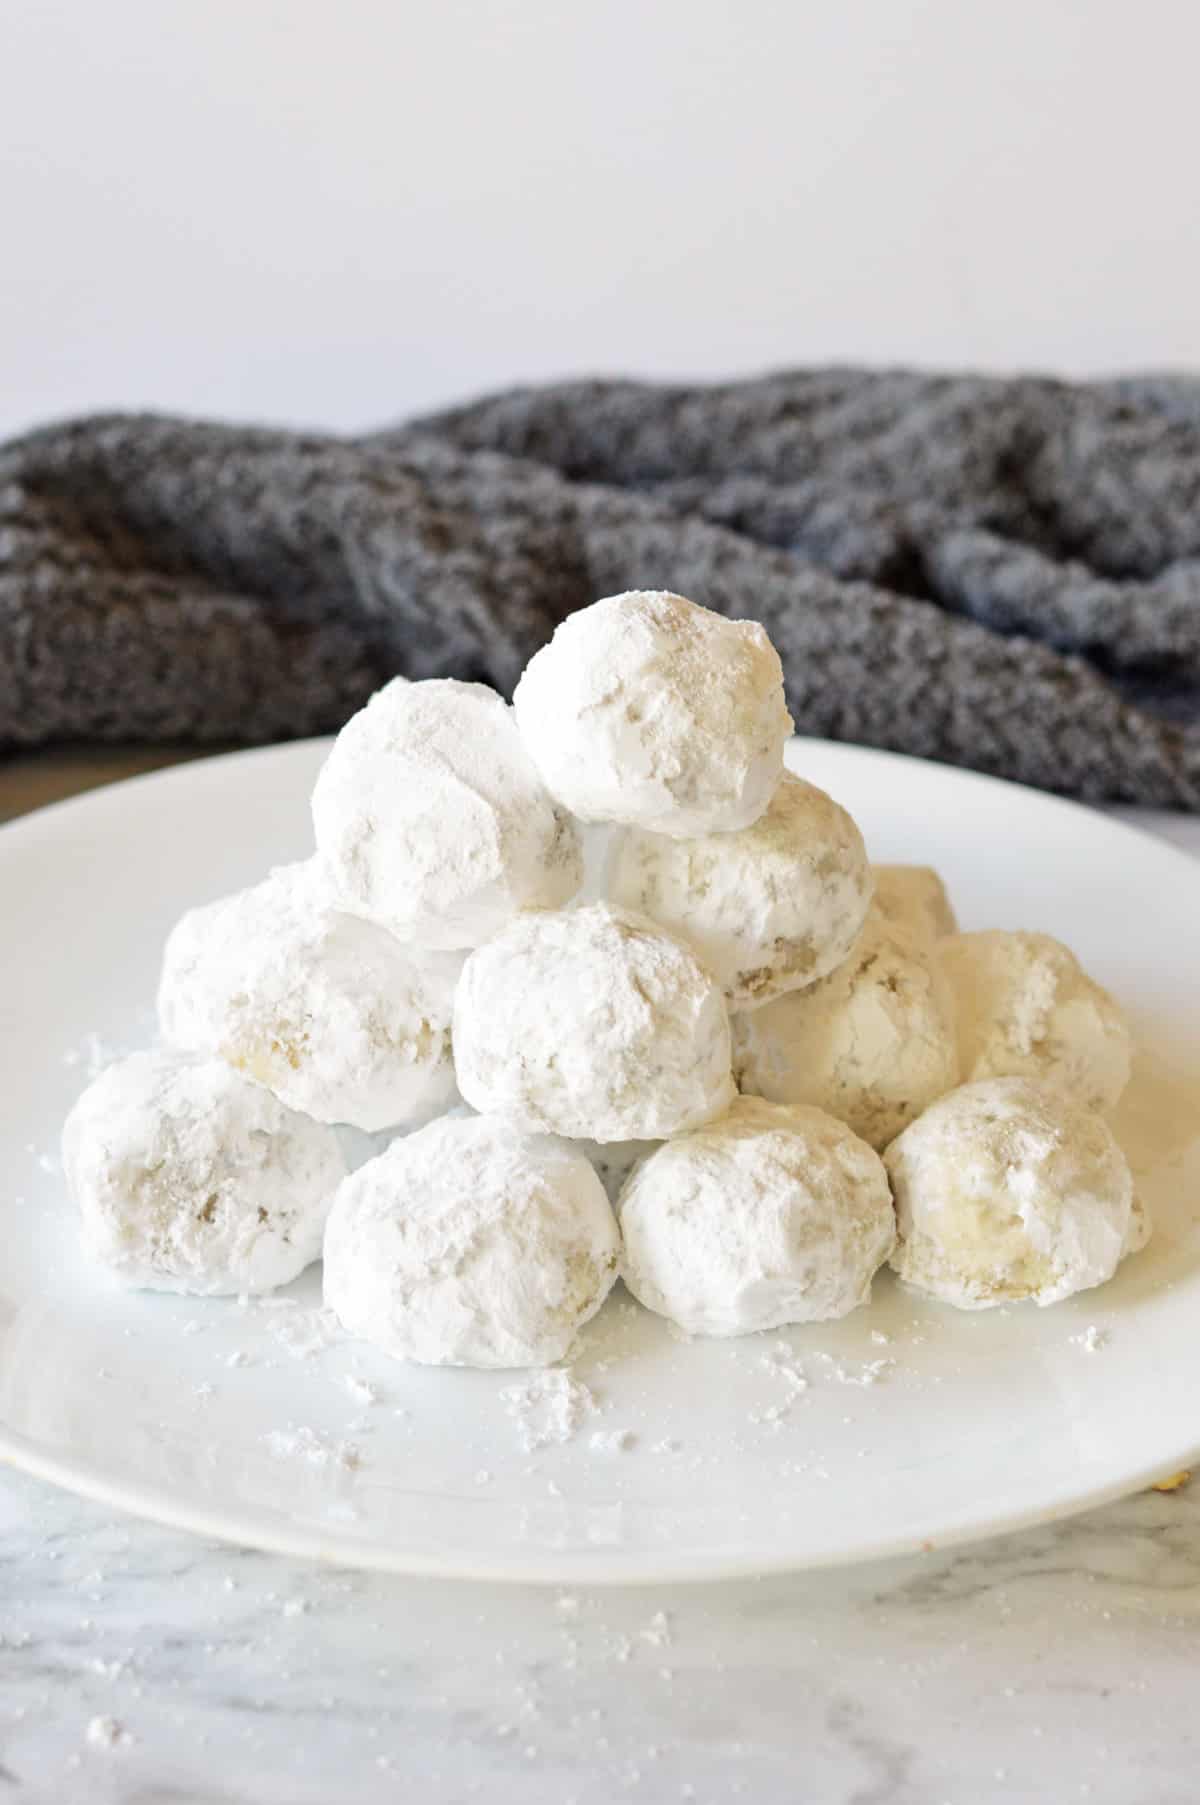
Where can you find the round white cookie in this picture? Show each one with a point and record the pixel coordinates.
(1027, 1008)
(592, 1023)
(471, 1243)
(190, 1178)
(914, 897)
(873, 1043)
(648, 710)
(770, 909)
(330, 1012)
(432, 821)
(1008, 1189)
(771, 1215)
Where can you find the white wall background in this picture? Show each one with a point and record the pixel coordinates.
(338, 211)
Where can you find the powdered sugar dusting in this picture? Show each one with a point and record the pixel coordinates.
(611, 1441)
(106, 1733)
(316, 1450)
(658, 1631)
(798, 1373)
(360, 1389)
(303, 1333)
(548, 1407)
(869, 1373)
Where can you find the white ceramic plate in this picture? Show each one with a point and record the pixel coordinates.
(776, 1451)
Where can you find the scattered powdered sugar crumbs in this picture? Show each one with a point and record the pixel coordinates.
(548, 1407)
(611, 1441)
(106, 1733)
(306, 1444)
(1091, 1339)
(360, 1389)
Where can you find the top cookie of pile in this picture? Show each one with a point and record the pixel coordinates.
(649, 711)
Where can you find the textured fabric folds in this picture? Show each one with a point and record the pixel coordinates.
(1001, 573)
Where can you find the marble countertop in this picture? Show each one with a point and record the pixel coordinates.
(140, 1666)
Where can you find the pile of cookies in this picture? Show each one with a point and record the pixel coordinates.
(619, 995)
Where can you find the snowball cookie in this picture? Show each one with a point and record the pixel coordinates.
(1008, 1189)
(190, 1178)
(592, 1023)
(432, 821)
(874, 1043)
(914, 897)
(1026, 1007)
(330, 1012)
(769, 909)
(648, 710)
(773, 1214)
(471, 1243)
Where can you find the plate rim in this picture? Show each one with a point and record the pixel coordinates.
(269, 1535)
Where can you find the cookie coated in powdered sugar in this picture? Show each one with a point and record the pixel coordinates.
(770, 909)
(770, 1215)
(1007, 1189)
(431, 820)
(471, 1243)
(1027, 1008)
(190, 1178)
(874, 1043)
(647, 710)
(331, 1013)
(592, 1023)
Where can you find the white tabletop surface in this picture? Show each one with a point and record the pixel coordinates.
(139, 1665)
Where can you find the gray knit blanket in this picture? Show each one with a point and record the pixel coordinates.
(998, 573)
